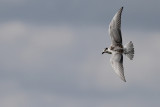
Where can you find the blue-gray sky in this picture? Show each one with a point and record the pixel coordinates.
(51, 53)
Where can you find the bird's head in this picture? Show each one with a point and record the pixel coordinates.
(106, 51)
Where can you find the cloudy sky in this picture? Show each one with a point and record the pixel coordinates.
(51, 53)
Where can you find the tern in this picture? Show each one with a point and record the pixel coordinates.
(116, 48)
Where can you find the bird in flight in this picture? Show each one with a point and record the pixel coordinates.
(116, 48)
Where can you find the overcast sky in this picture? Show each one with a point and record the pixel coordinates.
(51, 53)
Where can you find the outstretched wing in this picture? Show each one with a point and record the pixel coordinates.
(117, 64)
(115, 28)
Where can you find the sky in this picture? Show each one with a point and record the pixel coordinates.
(51, 53)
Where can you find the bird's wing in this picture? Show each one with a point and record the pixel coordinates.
(117, 64)
(115, 28)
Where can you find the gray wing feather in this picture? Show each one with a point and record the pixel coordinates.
(117, 64)
(115, 28)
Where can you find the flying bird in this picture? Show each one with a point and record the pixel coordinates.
(116, 48)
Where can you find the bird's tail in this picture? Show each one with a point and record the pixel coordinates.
(129, 50)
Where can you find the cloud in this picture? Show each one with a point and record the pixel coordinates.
(11, 31)
(62, 65)
(47, 38)
(26, 43)
(51, 54)
(16, 100)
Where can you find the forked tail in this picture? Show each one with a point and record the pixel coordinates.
(129, 50)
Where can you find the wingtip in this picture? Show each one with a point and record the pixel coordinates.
(121, 8)
(123, 79)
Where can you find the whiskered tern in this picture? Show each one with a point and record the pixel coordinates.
(116, 48)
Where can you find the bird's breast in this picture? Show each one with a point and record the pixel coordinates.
(118, 48)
